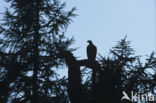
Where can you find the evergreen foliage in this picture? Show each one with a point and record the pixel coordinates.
(33, 47)
(28, 55)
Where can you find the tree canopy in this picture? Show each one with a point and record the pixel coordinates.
(33, 46)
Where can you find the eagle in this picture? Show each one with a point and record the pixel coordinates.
(91, 51)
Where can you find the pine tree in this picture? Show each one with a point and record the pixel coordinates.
(121, 71)
(124, 71)
(29, 30)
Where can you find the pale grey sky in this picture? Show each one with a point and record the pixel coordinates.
(107, 21)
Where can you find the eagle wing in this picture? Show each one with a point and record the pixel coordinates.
(94, 52)
(91, 52)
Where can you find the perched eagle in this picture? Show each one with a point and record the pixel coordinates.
(91, 51)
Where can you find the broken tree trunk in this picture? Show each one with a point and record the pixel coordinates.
(74, 78)
(74, 75)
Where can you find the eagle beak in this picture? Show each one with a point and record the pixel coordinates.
(88, 41)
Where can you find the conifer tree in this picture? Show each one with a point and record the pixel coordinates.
(28, 31)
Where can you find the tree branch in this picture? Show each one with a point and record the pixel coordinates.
(89, 64)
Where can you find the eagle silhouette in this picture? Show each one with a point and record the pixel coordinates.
(91, 51)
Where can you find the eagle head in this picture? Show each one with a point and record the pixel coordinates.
(89, 41)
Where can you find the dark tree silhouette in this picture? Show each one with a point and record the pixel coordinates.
(33, 46)
(27, 53)
(123, 71)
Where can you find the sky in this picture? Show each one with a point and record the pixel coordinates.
(107, 21)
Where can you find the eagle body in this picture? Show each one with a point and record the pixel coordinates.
(91, 51)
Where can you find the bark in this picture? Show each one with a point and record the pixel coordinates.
(74, 79)
(74, 75)
(36, 56)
